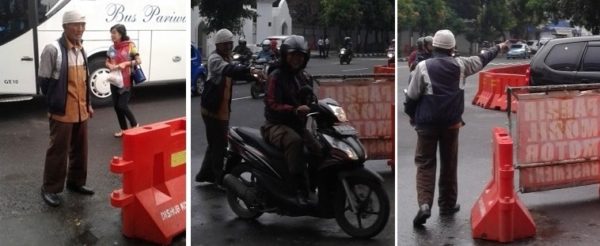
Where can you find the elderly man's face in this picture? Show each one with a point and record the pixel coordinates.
(74, 31)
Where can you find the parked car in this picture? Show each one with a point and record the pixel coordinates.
(567, 61)
(518, 51)
(533, 46)
(198, 70)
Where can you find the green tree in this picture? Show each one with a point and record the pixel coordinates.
(581, 12)
(377, 17)
(407, 14)
(305, 13)
(495, 19)
(225, 13)
(344, 14)
(434, 15)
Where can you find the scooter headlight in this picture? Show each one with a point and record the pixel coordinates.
(236, 56)
(343, 51)
(341, 145)
(339, 112)
(390, 54)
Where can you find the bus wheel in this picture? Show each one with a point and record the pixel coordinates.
(99, 85)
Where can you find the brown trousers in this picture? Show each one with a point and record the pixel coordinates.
(68, 144)
(425, 160)
(292, 144)
(214, 157)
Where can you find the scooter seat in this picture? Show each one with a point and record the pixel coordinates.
(254, 138)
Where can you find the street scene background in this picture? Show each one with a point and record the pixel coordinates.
(563, 217)
(211, 215)
(81, 220)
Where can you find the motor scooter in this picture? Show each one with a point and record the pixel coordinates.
(257, 176)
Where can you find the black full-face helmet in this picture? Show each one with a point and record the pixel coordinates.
(242, 42)
(292, 44)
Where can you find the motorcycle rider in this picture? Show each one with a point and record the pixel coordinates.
(266, 52)
(424, 51)
(348, 45)
(243, 50)
(427, 51)
(286, 109)
(412, 58)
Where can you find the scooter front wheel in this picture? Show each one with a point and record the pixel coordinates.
(239, 206)
(371, 208)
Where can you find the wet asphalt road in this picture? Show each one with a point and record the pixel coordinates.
(82, 220)
(563, 217)
(213, 222)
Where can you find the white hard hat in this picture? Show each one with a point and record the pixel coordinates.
(73, 16)
(444, 39)
(223, 36)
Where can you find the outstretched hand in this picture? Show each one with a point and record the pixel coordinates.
(504, 46)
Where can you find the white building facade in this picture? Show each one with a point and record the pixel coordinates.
(273, 19)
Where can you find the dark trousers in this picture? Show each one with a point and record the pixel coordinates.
(216, 136)
(425, 160)
(68, 144)
(292, 144)
(121, 104)
(321, 51)
(326, 50)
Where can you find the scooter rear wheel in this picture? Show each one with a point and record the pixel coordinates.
(372, 210)
(239, 207)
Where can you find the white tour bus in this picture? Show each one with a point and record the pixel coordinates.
(157, 27)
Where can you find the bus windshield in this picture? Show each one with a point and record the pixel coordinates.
(14, 16)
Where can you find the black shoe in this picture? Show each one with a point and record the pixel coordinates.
(51, 199)
(450, 210)
(422, 216)
(80, 189)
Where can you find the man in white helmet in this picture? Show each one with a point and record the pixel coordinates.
(435, 103)
(64, 79)
(216, 105)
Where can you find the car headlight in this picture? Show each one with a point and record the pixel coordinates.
(341, 145)
(339, 112)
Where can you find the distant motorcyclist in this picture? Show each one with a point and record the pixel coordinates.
(266, 53)
(427, 51)
(348, 44)
(412, 58)
(274, 49)
(243, 50)
(286, 108)
(423, 52)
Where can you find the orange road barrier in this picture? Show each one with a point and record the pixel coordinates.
(491, 93)
(153, 195)
(499, 214)
(368, 104)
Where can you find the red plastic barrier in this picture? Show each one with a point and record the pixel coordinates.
(499, 214)
(153, 195)
(383, 69)
(491, 93)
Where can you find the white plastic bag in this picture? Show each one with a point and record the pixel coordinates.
(115, 78)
